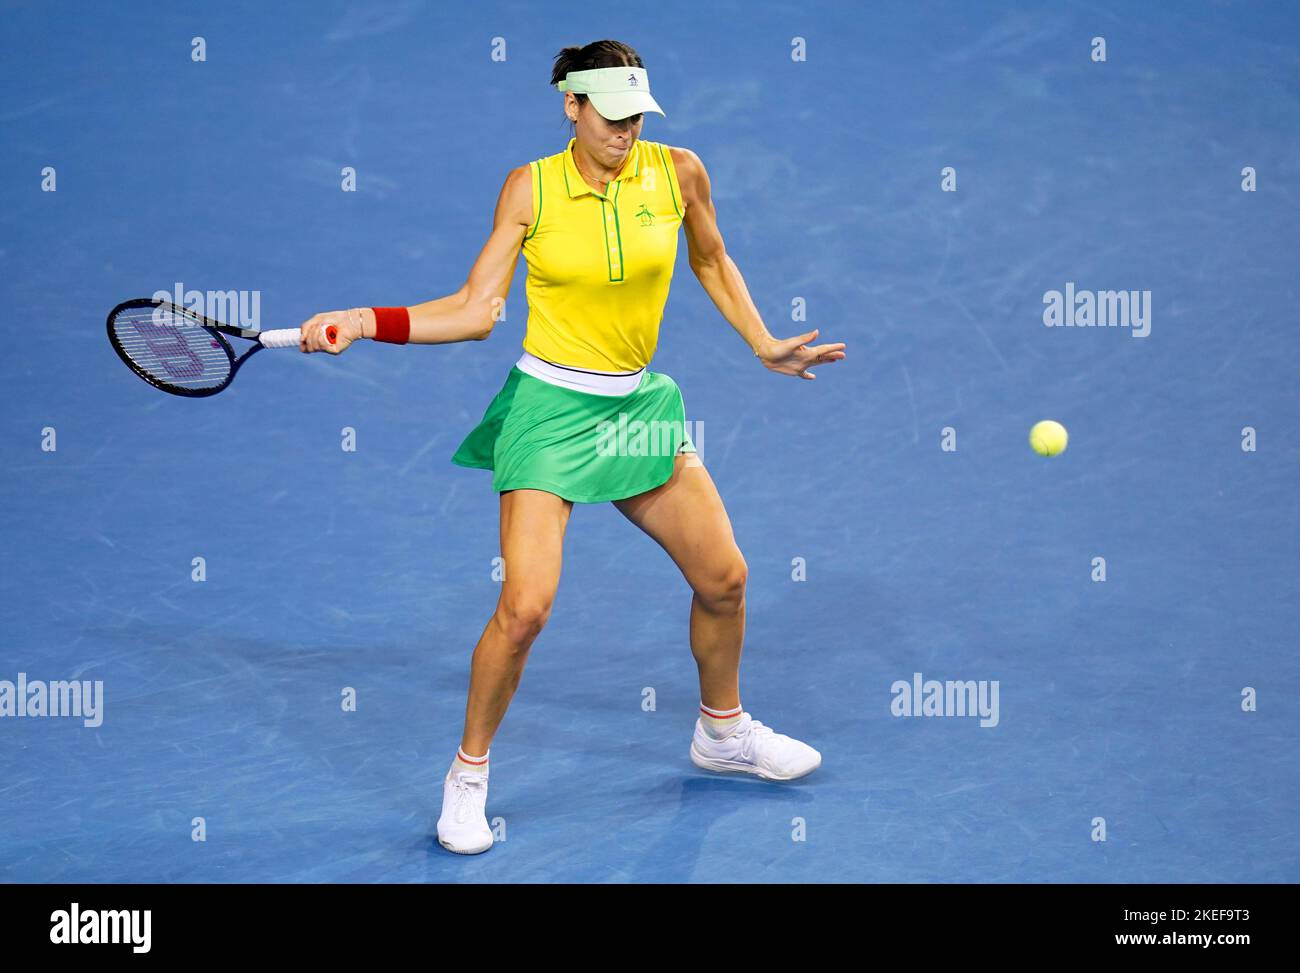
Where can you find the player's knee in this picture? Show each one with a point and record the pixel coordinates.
(523, 617)
(723, 590)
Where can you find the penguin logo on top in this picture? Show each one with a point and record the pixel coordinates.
(647, 218)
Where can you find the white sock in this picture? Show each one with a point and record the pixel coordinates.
(469, 764)
(717, 722)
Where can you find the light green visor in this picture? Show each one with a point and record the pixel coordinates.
(615, 92)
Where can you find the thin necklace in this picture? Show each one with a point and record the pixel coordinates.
(587, 177)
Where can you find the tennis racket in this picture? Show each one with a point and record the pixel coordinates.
(182, 352)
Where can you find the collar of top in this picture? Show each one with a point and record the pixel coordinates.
(577, 186)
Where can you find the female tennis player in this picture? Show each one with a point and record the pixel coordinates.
(598, 225)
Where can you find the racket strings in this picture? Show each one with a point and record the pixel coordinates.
(172, 347)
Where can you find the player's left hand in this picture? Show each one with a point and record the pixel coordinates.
(794, 356)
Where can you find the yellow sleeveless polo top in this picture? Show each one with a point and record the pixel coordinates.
(599, 266)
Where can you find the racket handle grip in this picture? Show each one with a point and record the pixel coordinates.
(288, 337)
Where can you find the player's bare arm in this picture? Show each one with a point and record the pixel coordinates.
(725, 285)
(470, 312)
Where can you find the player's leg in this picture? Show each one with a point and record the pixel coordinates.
(686, 517)
(532, 541)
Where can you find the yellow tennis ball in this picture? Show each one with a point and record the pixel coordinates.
(1048, 438)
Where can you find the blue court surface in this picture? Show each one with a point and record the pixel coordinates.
(1158, 704)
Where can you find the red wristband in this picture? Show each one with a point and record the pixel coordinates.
(392, 324)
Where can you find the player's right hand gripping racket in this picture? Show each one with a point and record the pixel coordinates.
(182, 352)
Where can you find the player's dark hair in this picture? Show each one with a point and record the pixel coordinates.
(597, 54)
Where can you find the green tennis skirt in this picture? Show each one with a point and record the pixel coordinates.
(581, 446)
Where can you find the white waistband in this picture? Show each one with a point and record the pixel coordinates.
(579, 379)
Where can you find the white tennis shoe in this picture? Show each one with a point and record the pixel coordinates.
(463, 826)
(752, 748)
